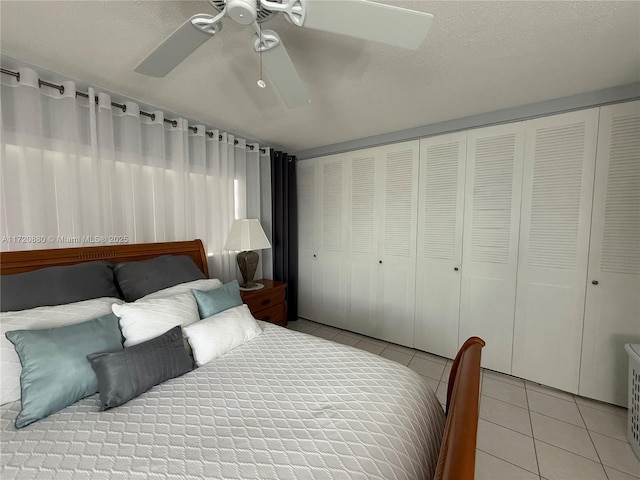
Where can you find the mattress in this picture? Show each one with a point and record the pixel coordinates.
(285, 405)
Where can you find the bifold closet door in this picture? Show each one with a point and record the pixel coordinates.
(612, 311)
(490, 240)
(382, 209)
(330, 298)
(363, 272)
(557, 191)
(439, 246)
(308, 201)
(397, 212)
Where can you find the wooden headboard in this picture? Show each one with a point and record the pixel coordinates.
(28, 260)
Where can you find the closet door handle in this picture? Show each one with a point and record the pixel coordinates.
(456, 268)
(314, 255)
(379, 261)
(595, 282)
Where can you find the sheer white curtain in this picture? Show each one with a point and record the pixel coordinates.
(76, 171)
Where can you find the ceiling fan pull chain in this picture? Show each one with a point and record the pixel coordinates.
(261, 83)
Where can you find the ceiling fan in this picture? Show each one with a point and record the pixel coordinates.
(354, 18)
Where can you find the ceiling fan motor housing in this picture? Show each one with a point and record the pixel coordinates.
(243, 12)
(263, 13)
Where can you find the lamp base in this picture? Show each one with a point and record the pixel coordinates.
(258, 286)
(248, 264)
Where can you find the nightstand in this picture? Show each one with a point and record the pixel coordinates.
(268, 303)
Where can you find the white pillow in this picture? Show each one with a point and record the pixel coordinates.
(205, 284)
(219, 333)
(38, 318)
(148, 318)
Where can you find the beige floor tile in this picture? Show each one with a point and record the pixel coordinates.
(605, 423)
(375, 341)
(507, 445)
(325, 332)
(617, 475)
(555, 407)
(505, 414)
(308, 322)
(365, 344)
(536, 387)
(401, 348)
(441, 393)
(563, 435)
(605, 407)
(397, 356)
(504, 378)
(303, 326)
(446, 373)
(432, 382)
(616, 454)
(489, 467)
(431, 357)
(427, 368)
(506, 392)
(347, 339)
(558, 464)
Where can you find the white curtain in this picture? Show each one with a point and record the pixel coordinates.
(76, 172)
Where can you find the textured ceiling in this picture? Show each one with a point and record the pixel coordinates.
(479, 56)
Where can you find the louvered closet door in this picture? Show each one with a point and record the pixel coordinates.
(612, 311)
(490, 240)
(363, 265)
(557, 190)
(331, 265)
(397, 242)
(308, 202)
(439, 246)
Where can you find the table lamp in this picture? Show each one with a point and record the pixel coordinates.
(245, 236)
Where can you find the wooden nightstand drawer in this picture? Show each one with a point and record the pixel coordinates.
(268, 303)
(269, 299)
(274, 314)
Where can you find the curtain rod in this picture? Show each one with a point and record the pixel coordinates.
(121, 106)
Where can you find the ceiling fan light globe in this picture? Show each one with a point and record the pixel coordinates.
(243, 12)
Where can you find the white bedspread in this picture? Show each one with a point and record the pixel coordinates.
(285, 405)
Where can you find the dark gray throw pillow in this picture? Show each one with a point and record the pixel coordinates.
(137, 279)
(57, 286)
(125, 374)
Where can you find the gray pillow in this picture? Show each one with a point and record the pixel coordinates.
(137, 279)
(57, 286)
(217, 300)
(55, 372)
(125, 374)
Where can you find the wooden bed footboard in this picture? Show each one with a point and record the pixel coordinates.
(458, 449)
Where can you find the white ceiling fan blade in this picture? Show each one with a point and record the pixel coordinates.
(369, 21)
(284, 76)
(178, 46)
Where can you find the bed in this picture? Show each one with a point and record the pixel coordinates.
(283, 405)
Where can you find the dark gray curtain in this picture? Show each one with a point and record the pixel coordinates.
(285, 226)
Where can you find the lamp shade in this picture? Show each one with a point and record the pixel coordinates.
(246, 234)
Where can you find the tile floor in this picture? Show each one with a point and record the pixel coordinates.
(526, 431)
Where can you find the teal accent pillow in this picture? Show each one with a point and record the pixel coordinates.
(55, 370)
(218, 300)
